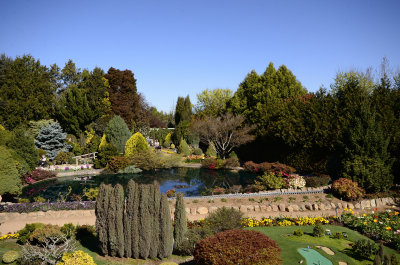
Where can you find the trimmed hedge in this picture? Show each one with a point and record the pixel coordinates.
(237, 247)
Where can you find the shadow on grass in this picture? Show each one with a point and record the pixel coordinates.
(90, 242)
(355, 256)
(188, 263)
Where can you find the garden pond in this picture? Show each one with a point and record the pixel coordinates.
(190, 181)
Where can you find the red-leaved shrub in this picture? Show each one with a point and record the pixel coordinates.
(116, 163)
(276, 168)
(37, 175)
(237, 246)
(347, 189)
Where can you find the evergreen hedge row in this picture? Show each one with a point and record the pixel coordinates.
(137, 225)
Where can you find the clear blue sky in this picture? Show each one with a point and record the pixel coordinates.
(177, 48)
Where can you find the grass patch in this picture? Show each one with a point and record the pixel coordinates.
(290, 244)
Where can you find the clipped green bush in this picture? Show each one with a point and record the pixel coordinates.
(26, 232)
(107, 151)
(365, 248)
(224, 219)
(76, 258)
(198, 151)
(270, 181)
(183, 148)
(135, 144)
(233, 247)
(347, 189)
(10, 257)
(298, 232)
(318, 231)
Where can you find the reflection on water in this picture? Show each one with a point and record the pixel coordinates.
(191, 181)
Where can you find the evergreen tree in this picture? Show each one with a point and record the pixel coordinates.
(52, 140)
(22, 143)
(180, 221)
(27, 92)
(128, 216)
(166, 234)
(73, 110)
(365, 159)
(144, 221)
(123, 94)
(111, 221)
(136, 143)
(117, 133)
(156, 200)
(103, 142)
(184, 148)
(135, 223)
(9, 176)
(101, 210)
(119, 220)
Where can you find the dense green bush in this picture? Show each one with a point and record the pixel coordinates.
(210, 152)
(117, 133)
(365, 248)
(26, 232)
(270, 181)
(224, 219)
(10, 257)
(347, 189)
(68, 229)
(106, 153)
(183, 148)
(338, 235)
(198, 151)
(318, 231)
(76, 258)
(314, 181)
(136, 143)
(117, 163)
(298, 232)
(43, 233)
(233, 247)
(23, 144)
(63, 157)
(93, 145)
(193, 235)
(9, 175)
(180, 221)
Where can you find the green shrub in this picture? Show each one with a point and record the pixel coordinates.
(92, 145)
(76, 258)
(198, 151)
(180, 220)
(231, 162)
(107, 151)
(193, 236)
(68, 229)
(146, 160)
(117, 163)
(117, 133)
(314, 181)
(298, 232)
(43, 233)
(130, 170)
(172, 146)
(210, 152)
(183, 148)
(82, 231)
(91, 193)
(224, 219)
(10, 256)
(318, 231)
(270, 181)
(77, 149)
(26, 232)
(365, 248)
(63, 157)
(136, 143)
(347, 189)
(9, 175)
(233, 247)
(39, 199)
(253, 188)
(233, 155)
(338, 235)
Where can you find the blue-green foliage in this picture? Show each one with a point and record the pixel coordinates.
(52, 140)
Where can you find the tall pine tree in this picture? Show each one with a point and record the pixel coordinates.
(180, 221)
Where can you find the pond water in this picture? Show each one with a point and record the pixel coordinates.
(190, 181)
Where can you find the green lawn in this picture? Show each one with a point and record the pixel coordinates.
(290, 244)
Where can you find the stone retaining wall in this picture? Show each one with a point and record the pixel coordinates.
(12, 222)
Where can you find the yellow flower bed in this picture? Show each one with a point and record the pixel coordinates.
(297, 221)
(9, 236)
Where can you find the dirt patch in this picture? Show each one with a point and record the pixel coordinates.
(327, 250)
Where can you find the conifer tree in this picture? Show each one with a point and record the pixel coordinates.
(135, 223)
(166, 234)
(144, 221)
(52, 140)
(119, 220)
(117, 133)
(135, 144)
(180, 222)
(128, 216)
(155, 221)
(111, 220)
(103, 142)
(102, 204)
(184, 148)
